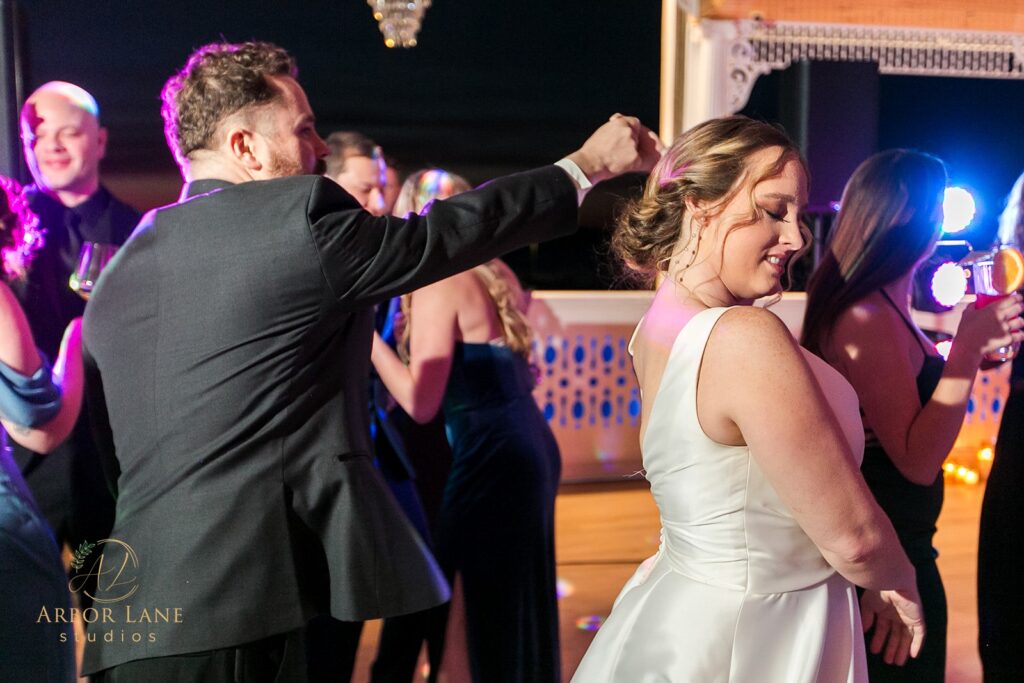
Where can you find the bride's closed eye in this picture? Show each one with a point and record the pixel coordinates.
(776, 215)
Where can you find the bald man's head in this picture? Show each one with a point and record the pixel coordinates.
(63, 141)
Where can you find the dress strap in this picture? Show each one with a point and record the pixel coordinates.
(909, 323)
(632, 337)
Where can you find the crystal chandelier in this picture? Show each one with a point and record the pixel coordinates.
(399, 20)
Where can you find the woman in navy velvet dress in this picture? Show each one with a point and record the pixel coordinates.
(858, 319)
(468, 349)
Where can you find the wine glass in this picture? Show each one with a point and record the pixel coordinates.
(92, 259)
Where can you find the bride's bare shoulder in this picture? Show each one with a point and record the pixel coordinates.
(743, 328)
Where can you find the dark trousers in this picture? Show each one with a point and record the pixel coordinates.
(323, 652)
(331, 647)
(401, 639)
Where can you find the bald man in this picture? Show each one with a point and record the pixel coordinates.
(63, 144)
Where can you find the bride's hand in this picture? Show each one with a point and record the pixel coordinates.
(898, 620)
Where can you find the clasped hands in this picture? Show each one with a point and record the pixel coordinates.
(622, 145)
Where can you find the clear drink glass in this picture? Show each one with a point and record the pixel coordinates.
(92, 259)
(987, 293)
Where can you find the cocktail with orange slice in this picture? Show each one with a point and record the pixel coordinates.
(999, 275)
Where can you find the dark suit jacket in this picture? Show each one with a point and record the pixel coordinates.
(228, 342)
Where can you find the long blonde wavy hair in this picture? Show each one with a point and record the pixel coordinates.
(418, 192)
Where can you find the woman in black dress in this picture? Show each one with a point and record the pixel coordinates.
(468, 349)
(1001, 540)
(858, 319)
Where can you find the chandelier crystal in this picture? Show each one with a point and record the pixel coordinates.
(399, 20)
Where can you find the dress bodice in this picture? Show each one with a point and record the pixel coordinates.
(485, 375)
(722, 521)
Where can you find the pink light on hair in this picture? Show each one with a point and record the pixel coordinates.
(27, 236)
(670, 175)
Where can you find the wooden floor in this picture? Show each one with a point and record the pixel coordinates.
(605, 530)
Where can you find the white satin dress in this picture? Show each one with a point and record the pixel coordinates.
(737, 591)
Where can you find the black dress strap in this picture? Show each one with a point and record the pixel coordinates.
(909, 323)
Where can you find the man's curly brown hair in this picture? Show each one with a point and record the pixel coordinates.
(219, 79)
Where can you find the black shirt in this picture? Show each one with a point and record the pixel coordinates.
(48, 301)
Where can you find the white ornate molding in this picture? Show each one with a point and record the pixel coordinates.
(898, 51)
(723, 58)
(721, 66)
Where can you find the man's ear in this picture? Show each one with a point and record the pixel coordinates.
(242, 144)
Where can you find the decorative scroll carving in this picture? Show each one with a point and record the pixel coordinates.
(744, 66)
(723, 65)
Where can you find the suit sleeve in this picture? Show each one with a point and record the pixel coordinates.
(366, 259)
(99, 420)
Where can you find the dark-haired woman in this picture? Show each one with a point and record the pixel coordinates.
(751, 445)
(468, 348)
(1001, 539)
(858, 319)
(39, 414)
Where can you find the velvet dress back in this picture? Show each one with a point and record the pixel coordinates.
(496, 527)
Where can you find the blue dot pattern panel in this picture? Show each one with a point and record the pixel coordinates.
(592, 377)
(589, 396)
(988, 396)
(984, 413)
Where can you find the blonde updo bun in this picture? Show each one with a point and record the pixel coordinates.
(704, 166)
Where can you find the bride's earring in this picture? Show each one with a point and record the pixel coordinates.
(691, 254)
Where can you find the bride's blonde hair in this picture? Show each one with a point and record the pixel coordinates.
(707, 164)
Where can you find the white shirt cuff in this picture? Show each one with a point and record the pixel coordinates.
(577, 176)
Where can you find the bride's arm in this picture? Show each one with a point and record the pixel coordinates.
(756, 388)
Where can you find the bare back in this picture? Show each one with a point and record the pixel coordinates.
(476, 314)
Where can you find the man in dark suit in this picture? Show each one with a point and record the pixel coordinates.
(227, 348)
(64, 144)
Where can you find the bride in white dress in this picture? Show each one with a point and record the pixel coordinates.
(751, 445)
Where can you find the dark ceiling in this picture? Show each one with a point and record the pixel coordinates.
(492, 86)
(497, 86)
